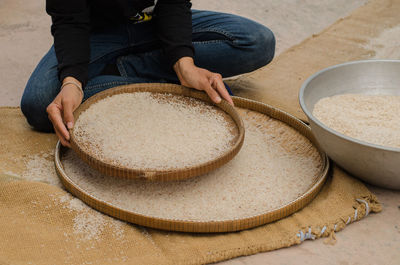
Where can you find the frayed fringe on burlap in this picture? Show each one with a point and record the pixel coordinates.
(362, 207)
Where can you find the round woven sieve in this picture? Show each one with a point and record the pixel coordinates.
(213, 226)
(160, 175)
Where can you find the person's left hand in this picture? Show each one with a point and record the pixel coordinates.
(201, 79)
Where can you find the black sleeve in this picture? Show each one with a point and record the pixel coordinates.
(174, 28)
(70, 29)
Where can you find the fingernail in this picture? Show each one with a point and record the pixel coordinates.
(218, 99)
(70, 125)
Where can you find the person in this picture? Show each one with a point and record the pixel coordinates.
(102, 44)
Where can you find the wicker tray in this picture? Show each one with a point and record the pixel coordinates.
(160, 175)
(216, 226)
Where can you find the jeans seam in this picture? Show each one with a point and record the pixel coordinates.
(105, 84)
(214, 30)
(121, 67)
(210, 41)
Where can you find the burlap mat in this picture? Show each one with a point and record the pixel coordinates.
(278, 84)
(42, 224)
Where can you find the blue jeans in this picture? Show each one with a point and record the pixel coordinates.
(224, 43)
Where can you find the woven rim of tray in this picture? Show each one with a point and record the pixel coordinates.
(159, 175)
(210, 226)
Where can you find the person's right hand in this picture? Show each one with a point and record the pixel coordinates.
(61, 110)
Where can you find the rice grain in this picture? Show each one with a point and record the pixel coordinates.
(154, 131)
(275, 166)
(371, 118)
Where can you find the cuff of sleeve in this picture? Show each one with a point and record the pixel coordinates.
(80, 72)
(179, 52)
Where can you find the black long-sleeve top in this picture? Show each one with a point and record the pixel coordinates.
(73, 20)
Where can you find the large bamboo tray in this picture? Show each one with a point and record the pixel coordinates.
(216, 226)
(159, 175)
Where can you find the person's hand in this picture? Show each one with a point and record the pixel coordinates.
(61, 110)
(201, 79)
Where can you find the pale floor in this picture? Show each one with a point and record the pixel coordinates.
(24, 38)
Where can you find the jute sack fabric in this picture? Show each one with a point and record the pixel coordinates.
(38, 227)
(42, 224)
(278, 83)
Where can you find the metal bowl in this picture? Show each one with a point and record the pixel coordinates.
(375, 164)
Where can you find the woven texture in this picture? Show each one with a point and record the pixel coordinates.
(221, 226)
(44, 234)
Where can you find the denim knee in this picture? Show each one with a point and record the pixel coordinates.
(35, 114)
(41, 89)
(268, 42)
(255, 44)
(262, 41)
(37, 96)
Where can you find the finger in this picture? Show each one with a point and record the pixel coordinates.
(211, 92)
(63, 141)
(219, 85)
(68, 109)
(55, 117)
